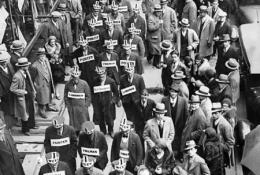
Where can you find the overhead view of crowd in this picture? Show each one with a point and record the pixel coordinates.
(190, 131)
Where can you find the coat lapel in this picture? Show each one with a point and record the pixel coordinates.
(205, 23)
(156, 127)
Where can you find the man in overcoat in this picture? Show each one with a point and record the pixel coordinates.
(190, 12)
(6, 97)
(186, 40)
(93, 143)
(62, 138)
(117, 17)
(195, 123)
(77, 97)
(128, 141)
(131, 86)
(23, 89)
(105, 97)
(223, 90)
(169, 18)
(9, 158)
(43, 81)
(177, 109)
(205, 30)
(159, 127)
(16, 48)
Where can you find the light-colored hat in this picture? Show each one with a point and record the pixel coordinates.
(175, 87)
(160, 108)
(126, 45)
(190, 144)
(178, 75)
(102, 1)
(88, 127)
(23, 62)
(88, 161)
(75, 71)
(203, 91)
(184, 22)
(2, 125)
(223, 79)
(232, 64)
(194, 99)
(41, 51)
(166, 45)
(57, 122)
(56, 14)
(52, 38)
(4, 56)
(16, 45)
(216, 107)
(203, 8)
(163, 2)
(222, 14)
(52, 157)
(119, 165)
(96, 6)
(157, 8)
(100, 70)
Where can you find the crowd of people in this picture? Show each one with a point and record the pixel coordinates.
(190, 131)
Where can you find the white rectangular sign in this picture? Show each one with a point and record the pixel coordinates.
(133, 46)
(99, 23)
(138, 31)
(55, 173)
(113, 42)
(92, 38)
(128, 90)
(108, 63)
(60, 142)
(127, 62)
(90, 151)
(105, 88)
(86, 58)
(117, 22)
(122, 8)
(76, 95)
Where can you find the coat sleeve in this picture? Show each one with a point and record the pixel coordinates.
(113, 150)
(103, 147)
(211, 31)
(87, 94)
(66, 91)
(141, 48)
(47, 144)
(172, 132)
(195, 40)
(73, 142)
(204, 169)
(115, 91)
(139, 151)
(152, 25)
(174, 23)
(146, 135)
(229, 139)
(15, 87)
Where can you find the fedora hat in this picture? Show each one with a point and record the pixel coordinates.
(203, 91)
(160, 108)
(184, 22)
(222, 14)
(232, 64)
(224, 37)
(223, 79)
(216, 107)
(190, 144)
(22, 62)
(87, 161)
(4, 56)
(157, 8)
(57, 122)
(56, 14)
(2, 124)
(41, 51)
(88, 127)
(62, 6)
(175, 87)
(16, 45)
(203, 8)
(75, 71)
(166, 45)
(194, 99)
(52, 157)
(52, 38)
(163, 1)
(178, 75)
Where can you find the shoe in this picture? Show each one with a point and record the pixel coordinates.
(27, 133)
(111, 134)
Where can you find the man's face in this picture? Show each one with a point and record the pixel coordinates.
(128, 51)
(110, 27)
(114, 12)
(222, 19)
(130, 74)
(221, 85)
(143, 99)
(42, 57)
(191, 152)
(203, 14)
(25, 68)
(75, 79)
(135, 14)
(85, 47)
(52, 42)
(215, 5)
(158, 14)
(201, 97)
(173, 94)
(55, 19)
(95, 13)
(159, 116)
(215, 115)
(102, 77)
(194, 106)
(184, 28)
(158, 150)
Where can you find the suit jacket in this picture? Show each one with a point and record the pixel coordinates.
(116, 35)
(190, 12)
(127, 14)
(9, 157)
(234, 78)
(139, 24)
(197, 166)
(151, 132)
(222, 29)
(75, 8)
(7, 98)
(120, 17)
(139, 43)
(223, 57)
(207, 34)
(112, 72)
(206, 106)
(95, 44)
(179, 119)
(145, 113)
(62, 166)
(193, 41)
(216, 15)
(138, 82)
(67, 152)
(14, 60)
(134, 147)
(98, 141)
(43, 81)
(18, 88)
(195, 123)
(133, 57)
(170, 22)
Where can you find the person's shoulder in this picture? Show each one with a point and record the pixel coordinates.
(199, 159)
(97, 171)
